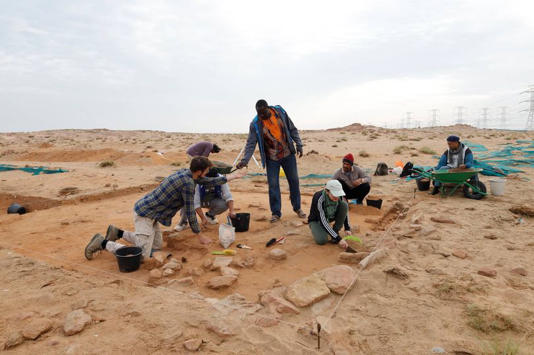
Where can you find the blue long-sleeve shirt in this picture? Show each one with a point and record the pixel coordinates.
(468, 159)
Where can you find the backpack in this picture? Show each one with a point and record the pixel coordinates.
(381, 169)
(407, 170)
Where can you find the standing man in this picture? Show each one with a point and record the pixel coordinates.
(356, 183)
(159, 207)
(276, 136)
(202, 149)
(217, 198)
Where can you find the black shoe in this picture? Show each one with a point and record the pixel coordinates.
(435, 190)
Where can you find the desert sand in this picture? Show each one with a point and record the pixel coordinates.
(455, 274)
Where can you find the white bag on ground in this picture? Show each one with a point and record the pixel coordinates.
(226, 235)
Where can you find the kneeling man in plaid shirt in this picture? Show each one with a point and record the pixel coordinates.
(175, 192)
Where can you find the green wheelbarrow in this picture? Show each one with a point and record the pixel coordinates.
(456, 178)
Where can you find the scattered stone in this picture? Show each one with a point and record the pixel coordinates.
(427, 230)
(168, 272)
(221, 261)
(519, 271)
(193, 344)
(338, 278)
(13, 339)
(221, 327)
(228, 271)
(373, 257)
(207, 264)
(186, 281)
(434, 271)
(194, 271)
(445, 254)
(490, 236)
(76, 321)
(247, 262)
(172, 265)
(523, 210)
(218, 282)
(234, 304)
(36, 327)
(438, 219)
(266, 322)
(396, 272)
(154, 277)
(160, 257)
(297, 224)
(276, 303)
(307, 291)
(459, 254)
(291, 232)
(278, 254)
(487, 272)
(150, 264)
(416, 227)
(352, 258)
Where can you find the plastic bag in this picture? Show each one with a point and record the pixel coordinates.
(226, 235)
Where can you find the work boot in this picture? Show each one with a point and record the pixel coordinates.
(112, 233)
(435, 190)
(94, 245)
(275, 218)
(301, 213)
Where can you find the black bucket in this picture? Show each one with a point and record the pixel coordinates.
(423, 184)
(375, 203)
(129, 258)
(16, 208)
(241, 222)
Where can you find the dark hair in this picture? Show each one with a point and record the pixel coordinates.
(216, 148)
(261, 104)
(212, 173)
(200, 164)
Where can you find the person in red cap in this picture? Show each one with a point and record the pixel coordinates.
(356, 183)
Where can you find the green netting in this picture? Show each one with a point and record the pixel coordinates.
(34, 170)
(475, 147)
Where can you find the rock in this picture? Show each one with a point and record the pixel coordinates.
(416, 227)
(373, 257)
(247, 262)
(434, 271)
(150, 264)
(228, 271)
(168, 272)
(427, 230)
(490, 236)
(523, 210)
(338, 278)
(487, 272)
(459, 254)
(396, 272)
(218, 282)
(193, 344)
(160, 257)
(276, 303)
(234, 304)
(221, 261)
(13, 339)
(172, 265)
(207, 264)
(266, 322)
(296, 224)
(194, 271)
(76, 321)
(519, 271)
(278, 254)
(417, 219)
(352, 258)
(221, 327)
(439, 219)
(36, 327)
(186, 281)
(307, 291)
(154, 277)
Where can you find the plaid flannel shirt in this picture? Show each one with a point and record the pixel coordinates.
(175, 192)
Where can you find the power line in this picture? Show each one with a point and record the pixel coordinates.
(484, 117)
(503, 116)
(434, 121)
(408, 119)
(460, 114)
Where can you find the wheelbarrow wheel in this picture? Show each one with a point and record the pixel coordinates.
(470, 193)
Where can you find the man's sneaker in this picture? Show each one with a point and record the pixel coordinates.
(435, 190)
(301, 214)
(211, 220)
(94, 245)
(275, 218)
(181, 227)
(112, 233)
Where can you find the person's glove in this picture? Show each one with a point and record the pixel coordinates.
(241, 165)
(299, 151)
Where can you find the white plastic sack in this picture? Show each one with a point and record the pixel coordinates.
(226, 235)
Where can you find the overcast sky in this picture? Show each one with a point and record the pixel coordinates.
(200, 66)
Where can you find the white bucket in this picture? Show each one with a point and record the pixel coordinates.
(497, 186)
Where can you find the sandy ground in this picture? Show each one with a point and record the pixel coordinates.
(440, 301)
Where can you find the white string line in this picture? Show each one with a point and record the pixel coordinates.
(360, 270)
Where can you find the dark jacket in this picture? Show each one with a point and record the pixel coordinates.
(465, 157)
(317, 215)
(255, 135)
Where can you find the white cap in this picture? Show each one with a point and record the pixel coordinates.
(335, 188)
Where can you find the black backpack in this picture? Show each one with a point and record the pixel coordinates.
(381, 169)
(407, 170)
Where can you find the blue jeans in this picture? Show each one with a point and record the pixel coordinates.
(289, 164)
